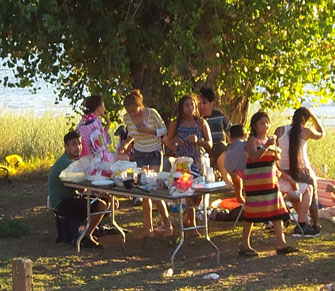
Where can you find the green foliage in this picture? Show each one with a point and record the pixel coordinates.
(267, 51)
(12, 228)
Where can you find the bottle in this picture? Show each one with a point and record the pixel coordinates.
(210, 175)
(144, 173)
(207, 163)
(130, 174)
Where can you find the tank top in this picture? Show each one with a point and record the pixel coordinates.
(284, 144)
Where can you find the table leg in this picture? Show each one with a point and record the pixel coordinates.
(182, 234)
(114, 223)
(89, 192)
(206, 229)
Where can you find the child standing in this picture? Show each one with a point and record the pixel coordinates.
(264, 202)
(187, 134)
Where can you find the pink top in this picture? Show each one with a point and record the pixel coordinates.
(94, 139)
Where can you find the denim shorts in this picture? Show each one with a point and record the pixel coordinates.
(154, 158)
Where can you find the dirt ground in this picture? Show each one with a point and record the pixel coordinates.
(141, 264)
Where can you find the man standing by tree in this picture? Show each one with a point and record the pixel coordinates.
(65, 200)
(219, 125)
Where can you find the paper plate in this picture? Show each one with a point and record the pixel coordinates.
(97, 178)
(102, 182)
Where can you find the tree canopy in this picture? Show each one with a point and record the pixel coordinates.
(275, 52)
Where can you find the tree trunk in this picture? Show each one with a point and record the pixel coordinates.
(161, 98)
(236, 109)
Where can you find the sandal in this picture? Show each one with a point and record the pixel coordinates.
(247, 253)
(287, 250)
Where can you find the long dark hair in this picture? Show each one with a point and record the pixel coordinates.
(181, 108)
(92, 103)
(300, 117)
(255, 118)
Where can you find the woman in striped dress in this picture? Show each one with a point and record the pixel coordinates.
(264, 202)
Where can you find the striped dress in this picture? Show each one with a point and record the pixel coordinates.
(264, 202)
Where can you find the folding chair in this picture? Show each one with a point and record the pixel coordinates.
(67, 228)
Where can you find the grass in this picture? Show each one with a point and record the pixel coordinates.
(12, 228)
(140, 266)
(38, 140)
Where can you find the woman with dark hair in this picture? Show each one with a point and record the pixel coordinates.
(187, 134)
(95, 137)
(294, 161)
(264, 202)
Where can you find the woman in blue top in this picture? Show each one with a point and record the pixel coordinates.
(187, 134)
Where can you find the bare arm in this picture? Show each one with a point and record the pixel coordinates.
(126, 143)
(254, 152)
(317, 132)
(206, 141)
(170, 139)
(108, 123)
(238, 187)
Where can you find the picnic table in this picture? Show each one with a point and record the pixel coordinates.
(157, 194)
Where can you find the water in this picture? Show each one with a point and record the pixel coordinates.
(18, 100)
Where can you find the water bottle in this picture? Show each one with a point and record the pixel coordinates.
(207, 163)
(210, 175)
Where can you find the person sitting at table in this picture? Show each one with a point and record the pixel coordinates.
(95, 137)
(65, 200)
(146, 127)
(186, 135)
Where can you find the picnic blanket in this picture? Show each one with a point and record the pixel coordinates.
(325, 197)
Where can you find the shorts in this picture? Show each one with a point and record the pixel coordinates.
(217, 149)
(309, 178)
(75, 208)
(154, 158)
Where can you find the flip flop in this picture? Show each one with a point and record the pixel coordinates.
(287, 250)
(247, 253)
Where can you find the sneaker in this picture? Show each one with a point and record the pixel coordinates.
(138, 200)
(317, 229)
(213, 214)
(308, 231)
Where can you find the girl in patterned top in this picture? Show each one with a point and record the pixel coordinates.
(264, 202)
(187, 134)
(146, 127)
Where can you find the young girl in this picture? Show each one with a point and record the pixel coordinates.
(263, 201)
(186, 136)
(146, 127)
